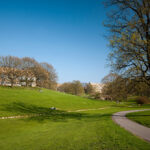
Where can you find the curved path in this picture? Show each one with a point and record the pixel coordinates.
(135, 128)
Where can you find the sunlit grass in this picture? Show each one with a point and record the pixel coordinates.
(60, 129)
(142, 117)
(12, 100)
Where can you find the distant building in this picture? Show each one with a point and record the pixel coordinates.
(58, 85)
(97, 86)
(32, 81)
(19, 81)
(6, 82)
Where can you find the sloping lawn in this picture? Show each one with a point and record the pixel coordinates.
(19, 101)
(140, 117)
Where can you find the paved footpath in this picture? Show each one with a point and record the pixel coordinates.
(135, 128)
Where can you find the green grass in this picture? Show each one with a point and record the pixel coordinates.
(61, 130)
(15, 101)
(140, 117)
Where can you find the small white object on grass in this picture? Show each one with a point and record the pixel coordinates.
(41, 91)
(53, 108)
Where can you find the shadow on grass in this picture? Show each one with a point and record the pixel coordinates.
(44, 113)
(130, 106)
(130, 115)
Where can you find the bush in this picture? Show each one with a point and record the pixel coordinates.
(142, 100)
(74, 88)
(95, 95)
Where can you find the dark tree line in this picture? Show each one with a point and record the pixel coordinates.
(26, 70)
(118, 88)
(76, 88)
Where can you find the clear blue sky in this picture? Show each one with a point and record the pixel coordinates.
(65, 33)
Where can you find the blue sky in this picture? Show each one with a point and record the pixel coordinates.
(65, 33)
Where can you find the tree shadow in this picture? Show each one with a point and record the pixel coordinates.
(44, 113)
(138, 115)
(124, 106)
(24, 108)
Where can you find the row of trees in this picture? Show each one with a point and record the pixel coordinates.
(14, 69)
(76, 88)
(118, 88)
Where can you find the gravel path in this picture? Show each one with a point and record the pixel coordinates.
(24, 116)
(87, 109)
(135, 128)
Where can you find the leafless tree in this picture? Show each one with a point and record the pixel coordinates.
(52, 76)
(28, 66)
(27, 70)
(11, 68)
(74, 88)
(129, 26)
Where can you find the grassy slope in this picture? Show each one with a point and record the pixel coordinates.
(140, 117)
(60, 130)
(19, 101)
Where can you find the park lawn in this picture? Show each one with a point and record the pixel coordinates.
(60, 129)
(20, 101)
(142, 117)
(93, 130)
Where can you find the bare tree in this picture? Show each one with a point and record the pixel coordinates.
(129, 26)
(115, 87)
(28, 66)
(52, 76)
(27, 70)
(74, 88)
(89, 89)
(32, 69)
(11, 68)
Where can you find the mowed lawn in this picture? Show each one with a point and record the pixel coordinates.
(60, 129)
(140, 117)
(16, 101)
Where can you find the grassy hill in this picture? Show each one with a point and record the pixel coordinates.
(60, 129)
(15, 101)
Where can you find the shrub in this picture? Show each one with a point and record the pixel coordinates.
(74, 88)
(142, 100)
(95, 95)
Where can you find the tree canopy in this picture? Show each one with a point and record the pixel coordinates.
(129, 35)
(74, 88)
(24, 70)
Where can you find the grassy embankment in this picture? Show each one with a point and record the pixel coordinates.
(60, 129)
(140, 117)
